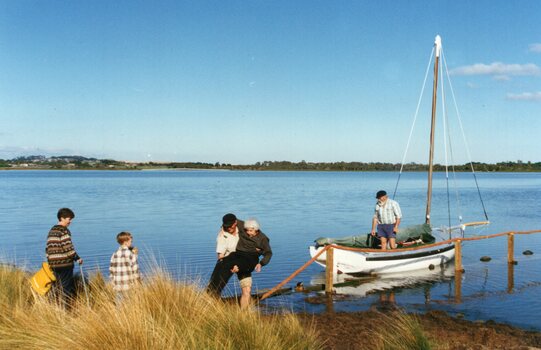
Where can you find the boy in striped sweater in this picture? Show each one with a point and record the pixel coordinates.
(61, 254)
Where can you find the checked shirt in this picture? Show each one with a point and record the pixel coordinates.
(388, 212)
(123, 270)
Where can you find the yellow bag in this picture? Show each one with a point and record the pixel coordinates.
(42, 280)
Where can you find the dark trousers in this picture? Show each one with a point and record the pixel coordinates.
(221, 274)
(65, 284)
(219, 278)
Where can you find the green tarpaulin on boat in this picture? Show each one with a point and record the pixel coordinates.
(410, 233)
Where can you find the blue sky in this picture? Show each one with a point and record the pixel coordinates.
(246, 81)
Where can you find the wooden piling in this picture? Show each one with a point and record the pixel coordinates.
(510, 247)
(458, 286)
(458, 256)
(329, 271)
(329, 304)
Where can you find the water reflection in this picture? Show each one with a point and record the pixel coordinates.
(391, 291)
(510, 278)
(347, 284)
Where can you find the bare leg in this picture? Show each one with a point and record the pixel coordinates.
(383, 243)
(245, 297)
(393, 243)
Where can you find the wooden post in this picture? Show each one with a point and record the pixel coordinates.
(329, 303)
(458, 286)
(510, 247)
(458, 256)
(329, 271)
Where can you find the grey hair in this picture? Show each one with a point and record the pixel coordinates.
(251, 223)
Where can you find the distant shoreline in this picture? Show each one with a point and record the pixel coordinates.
(254, 170)
(83, 163)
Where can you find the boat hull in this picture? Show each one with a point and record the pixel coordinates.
(389, 262)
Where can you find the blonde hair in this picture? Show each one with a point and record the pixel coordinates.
(123, 237)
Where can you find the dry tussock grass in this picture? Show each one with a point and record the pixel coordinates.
(160, 314)
(402, 332)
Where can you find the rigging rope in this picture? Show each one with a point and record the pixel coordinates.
(466, 143)
(455, 183)
(414, 120)
(445, 140)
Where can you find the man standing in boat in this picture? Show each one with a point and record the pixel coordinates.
(386, 220)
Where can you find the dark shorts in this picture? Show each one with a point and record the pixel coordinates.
(386, 231)
(245, 261)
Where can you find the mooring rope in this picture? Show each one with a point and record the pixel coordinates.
(299, 270)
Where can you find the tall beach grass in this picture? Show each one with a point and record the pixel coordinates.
(163, 314)
(402, 332)
(159, 314)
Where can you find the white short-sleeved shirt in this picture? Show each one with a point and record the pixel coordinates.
(226, 243)
(388, 212)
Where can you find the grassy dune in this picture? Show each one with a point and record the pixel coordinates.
(162, 314)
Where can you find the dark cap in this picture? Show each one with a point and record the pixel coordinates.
(380, 194)
(229, 219)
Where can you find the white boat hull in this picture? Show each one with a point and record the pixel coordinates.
(390, 262)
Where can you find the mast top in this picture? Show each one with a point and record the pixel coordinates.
(437, 43)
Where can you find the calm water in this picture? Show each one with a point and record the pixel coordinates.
(175, 215)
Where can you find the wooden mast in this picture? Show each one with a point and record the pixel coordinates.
(437, 44)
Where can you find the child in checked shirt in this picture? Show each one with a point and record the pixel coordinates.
(123, 270)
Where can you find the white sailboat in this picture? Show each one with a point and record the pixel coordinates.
(431, 248)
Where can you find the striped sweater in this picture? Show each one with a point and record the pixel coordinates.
(59, 249)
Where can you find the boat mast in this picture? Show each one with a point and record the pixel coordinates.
(437, 44)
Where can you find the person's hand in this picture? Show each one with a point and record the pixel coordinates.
(80, 261)
(258, 268)
(135, 250)
(395, 230)
(373, 233)
(235, 269)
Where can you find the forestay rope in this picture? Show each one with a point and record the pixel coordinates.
(448, 130)
(414, 121)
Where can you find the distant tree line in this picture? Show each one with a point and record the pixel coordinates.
(79, 162)
(518, 166)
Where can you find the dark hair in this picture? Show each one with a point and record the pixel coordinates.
(65, 213)
(123, 237)
(228, 220)
(381, 194)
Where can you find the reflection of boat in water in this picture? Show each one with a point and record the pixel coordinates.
(389, 281)
(432, 247)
